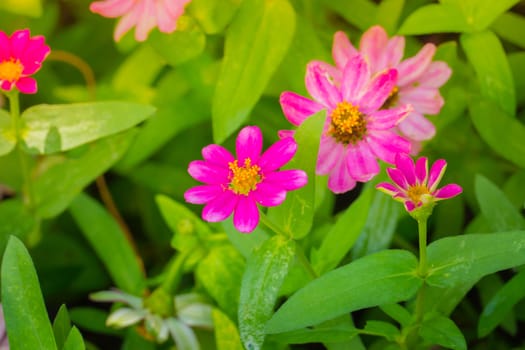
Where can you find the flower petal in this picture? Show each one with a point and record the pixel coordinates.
(111, 8)
(417, 127)
(249, 144)
(128, 21)
(448, 191)
(320, 86)
(356, 75)
(342, 49)
(388, 188)
(288, 179)
(146, 21)
(165, 21)
(386, 119)
(269, 194)
(5, 46)
(436, 75)
(297, 108)
(220, 207)
(361, 162)
(339, 180)
(19, 41)
(386, 144)
(246, 216)
(422, 170)
(436, 173)
(217, 155)
(330, 152)
(372, 45)
(411, 69)
(208, 173)
(392, 53)
(202, 194)
(405, 164)
(278, 154)
(378, 91)
(409, 205)
(398, 178)
(424, 100)
(27, 85)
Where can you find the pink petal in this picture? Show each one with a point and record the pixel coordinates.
(388, 188)
(285, 133)
(386, 144)
(249, 144)
(372, 45)
(398, 178)
(330, 153)
(208, 173)
(165, 21)
(146, 21)
(422, 170)
(320, 86)
(5, 47)
(411, 69)
(220, 207)
(246, 215)
(378, 91)
(386, 119)
(287, 179)
(297, 108)
(175, 8)
(424, 100)
(392, 54)
(333, 72)
(6, 85)
(436, 173)
(416, 127)
(361, 162)
(217, 155)
(356, 75)
(128, 21)
(111, 8)
(436, 75)
(339, 180)
(342, 49)
(36, 51)
(26, 85)
(278, 154)
(448, 191)
(202, 194)
(19, 41)
(406, 165)
(268, 194)
(409, 205)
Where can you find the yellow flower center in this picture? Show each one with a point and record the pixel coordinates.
(348, 125)
(416, 192)
(11, 70)
(244, 179)
(392, 99)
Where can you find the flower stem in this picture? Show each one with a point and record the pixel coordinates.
(268, 223)
(422, 229)
(174, 273)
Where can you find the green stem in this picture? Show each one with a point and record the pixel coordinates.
(264, 219)
(422, 229)
(301, 257)
(174, 274)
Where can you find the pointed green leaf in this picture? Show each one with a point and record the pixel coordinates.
(246, 69)
(460, 259)
(357, 12)
(212, 15)
(61, 326)
(388, 14)
(382, 329)
(16, 221)
(509, 26)
(442, 331)
(74, 340)
(398, 313)
(295, 215)
(226, 334)
(7, 137)
(264, 274)
(501, 304)
(108, 240)
(315, 335)
(55, 128)
(435, 18)
(24, 309)
(382, 278)
(495, 78)
(481, 13)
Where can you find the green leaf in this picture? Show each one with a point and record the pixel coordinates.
(295, 215)
(108, 240)
(398, 313)
(16, 221)
(357, 12)
(74, 340)
(7, 137)
(265, 271)
(31, 8)
(501, 304)
(388, 14)
(462, 259)
(212, 15)
(509, 26)
(493, 71)
(441, 330)
(64, 176)
(517, 65)
(435, 18)
(382, 278)
(55, 128)
(479, 14)
(316, 335)
(341, 237)
(496, 208)
(61, 326)
(246, 69)
(245, 244)
(505, 136)
(93, 320)
(24, 309)
(226, 334)
(382, 329)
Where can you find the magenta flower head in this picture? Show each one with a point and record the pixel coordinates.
(21, 56)
(415, 186)
(142, 14)
(238, 184)
(357, 131)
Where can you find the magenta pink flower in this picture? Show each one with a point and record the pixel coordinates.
(142, 14)
(414, 185)
(21, 56)
(356, 131)
(418, 82)
(238, 184)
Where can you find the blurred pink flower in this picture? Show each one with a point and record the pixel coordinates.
(356, 131)
(418, 82)
(144, 14)
(4, 342)
(21, 56)
(237, 184)
(414, 186)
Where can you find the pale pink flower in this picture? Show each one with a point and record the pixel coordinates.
(21, 56)
(414, 186)
(418, 82)
(238, 184)
(142, 14)
(356, 131)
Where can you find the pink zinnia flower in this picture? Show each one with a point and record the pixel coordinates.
(144, 14)
(21, 56)
(414, 185)
(237, 184)
(356, 132)
(418, 82)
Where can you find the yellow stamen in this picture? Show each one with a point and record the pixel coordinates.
(244, 179)
(11, 70)
(392, 99)
(416, 192)
(348, 123)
